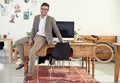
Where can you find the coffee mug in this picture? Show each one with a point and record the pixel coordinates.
(5, 36)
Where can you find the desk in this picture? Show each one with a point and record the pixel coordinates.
(79, 49)
(10, 47)
(117, 61)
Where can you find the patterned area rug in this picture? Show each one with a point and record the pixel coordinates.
(61, 75)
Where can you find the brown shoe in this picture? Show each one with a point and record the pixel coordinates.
(20, 66)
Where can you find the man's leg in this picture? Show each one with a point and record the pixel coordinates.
(39, 41)
(19, 44)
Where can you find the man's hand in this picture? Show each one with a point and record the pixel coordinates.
(30, 41)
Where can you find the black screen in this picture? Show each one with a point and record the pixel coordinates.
(66, 29)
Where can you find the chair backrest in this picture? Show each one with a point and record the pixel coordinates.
(61, 51)
(1, 45)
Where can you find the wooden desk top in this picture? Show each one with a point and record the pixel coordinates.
(116, 44)
(78, 43)
(6, 39)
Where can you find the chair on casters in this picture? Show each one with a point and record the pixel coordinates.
(61, 52)
(3, 50)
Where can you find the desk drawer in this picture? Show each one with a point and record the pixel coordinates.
(84, 51)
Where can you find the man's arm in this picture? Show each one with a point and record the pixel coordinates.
(35, 26)
(56, 31)
(33, 32)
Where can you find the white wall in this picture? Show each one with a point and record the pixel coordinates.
(100, 17)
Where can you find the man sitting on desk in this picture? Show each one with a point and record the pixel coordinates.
(41, 34)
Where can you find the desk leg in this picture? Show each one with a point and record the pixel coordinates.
(84, 59)
(88, 65)
(116, 75)
(25, 65)
(10, 51)
(93, 66)
(117, 65)
(26, 55)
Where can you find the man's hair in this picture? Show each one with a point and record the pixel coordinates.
(45, 4)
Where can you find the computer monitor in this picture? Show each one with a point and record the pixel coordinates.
(66, 29)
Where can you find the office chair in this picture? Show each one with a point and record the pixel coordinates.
(61, 52)
(2, 50)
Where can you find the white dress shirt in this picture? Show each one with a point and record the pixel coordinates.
(42, 26)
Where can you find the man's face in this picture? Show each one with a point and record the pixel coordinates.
(44, 10)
